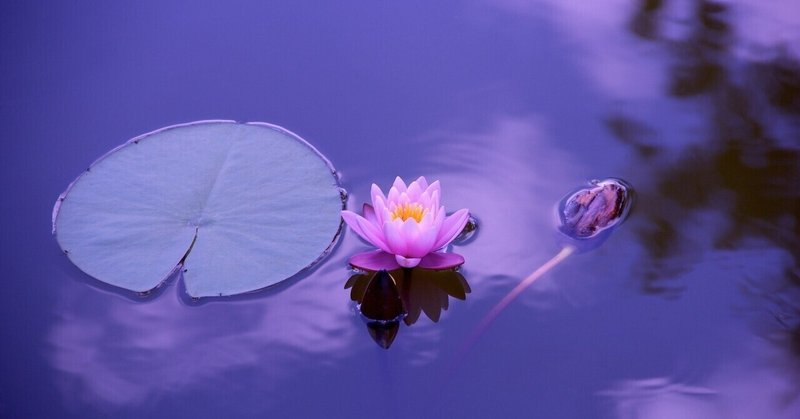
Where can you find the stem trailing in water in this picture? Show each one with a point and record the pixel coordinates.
(587, 217)
(514, 293)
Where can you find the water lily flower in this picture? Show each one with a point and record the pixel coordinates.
(408, 226)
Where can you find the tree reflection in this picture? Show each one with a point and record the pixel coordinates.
(747, 167)
(386, 298)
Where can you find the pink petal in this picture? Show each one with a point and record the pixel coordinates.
(429, 199)
(434, 187)
(393, 197)
(425, 200)
(435, 200)
(410, 230)
(439, 261)
(381, 212)
(364, 229)
(378, 202)
(403, 198)
(423, 242)
(374, 261)
(351, 219)
(395, 240)
(427, 221)
(414, 192)
(372, 233)
(412, 233)
(399, 184)
(437, 222)
(407, 262)
(369, 213)
(451, 227)
(422, 182)
(376, 193)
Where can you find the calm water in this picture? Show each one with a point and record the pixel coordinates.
(690, 310)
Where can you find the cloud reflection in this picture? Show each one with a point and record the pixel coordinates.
(116, 352)
(617, 66)
(605, 31)
(660, 397)
(746, 388)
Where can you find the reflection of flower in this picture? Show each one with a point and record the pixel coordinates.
(408, 226)
(385, 298)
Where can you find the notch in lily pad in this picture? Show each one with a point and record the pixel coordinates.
(237, 206)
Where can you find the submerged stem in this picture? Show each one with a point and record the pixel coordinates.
(514, 293)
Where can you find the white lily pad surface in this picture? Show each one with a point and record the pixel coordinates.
(237, 206)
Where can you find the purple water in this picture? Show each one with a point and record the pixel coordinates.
(689, 310)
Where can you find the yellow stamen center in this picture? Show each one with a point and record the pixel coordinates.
(406, 211)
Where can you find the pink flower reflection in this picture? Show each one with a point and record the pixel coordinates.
(408, 226)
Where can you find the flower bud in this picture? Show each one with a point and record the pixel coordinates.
(588, 212)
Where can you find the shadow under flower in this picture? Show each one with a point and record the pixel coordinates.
(387, 297)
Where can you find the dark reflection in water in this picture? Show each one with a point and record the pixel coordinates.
(744, 171)
(386, 298)
(747, 165)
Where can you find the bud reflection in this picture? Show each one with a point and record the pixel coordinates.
(385, 298)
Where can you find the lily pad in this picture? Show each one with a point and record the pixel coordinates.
(238, 206)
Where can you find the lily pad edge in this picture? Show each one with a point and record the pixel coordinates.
(178, 268)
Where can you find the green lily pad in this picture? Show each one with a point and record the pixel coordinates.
(237, 206)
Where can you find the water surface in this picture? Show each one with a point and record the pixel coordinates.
(688, 310)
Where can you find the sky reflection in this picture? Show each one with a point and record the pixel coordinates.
(121, 352)
(619, 68)
(511, 104)
(747, 387)
(624, 69)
